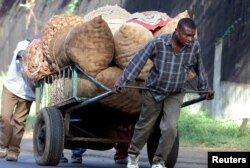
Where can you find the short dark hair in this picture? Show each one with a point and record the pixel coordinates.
(186, 22)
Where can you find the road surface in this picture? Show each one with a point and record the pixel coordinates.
(188, 158)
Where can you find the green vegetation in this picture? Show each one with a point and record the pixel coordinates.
(30, 122)
(201, 130)
(71, 6)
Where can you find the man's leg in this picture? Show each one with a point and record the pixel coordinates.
(168, 126)
(18, 123)
(121, 154)
(148, 116)
(76, 156)
(63, 159)
(9, 102)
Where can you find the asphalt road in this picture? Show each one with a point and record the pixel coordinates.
(188, 158)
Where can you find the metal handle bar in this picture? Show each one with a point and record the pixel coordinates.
(144, 88)
(193, 101)
(132, 87)
(184, 104)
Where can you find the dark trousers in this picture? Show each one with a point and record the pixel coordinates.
(123, 132)
(149, 113)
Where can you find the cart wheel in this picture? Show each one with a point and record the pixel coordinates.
(153, 143)
(48, 137)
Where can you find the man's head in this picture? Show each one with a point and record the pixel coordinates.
(185, 31)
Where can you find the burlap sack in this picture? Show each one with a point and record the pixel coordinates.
(170, 27)
(62, 89)
(108, 12)
(115, 24)
(152, 13)
(91, 46)
(128, 101)
(129, 39)
(57, 47)
(115, 16)
(56, 23)
(34, 63)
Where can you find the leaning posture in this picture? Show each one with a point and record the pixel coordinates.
(173, 56)
(17, 96)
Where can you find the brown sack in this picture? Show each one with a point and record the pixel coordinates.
(55, 24)
(129, 39)
(108, 12)
(153, 13)
(57, 48)
(62, 89)
(115, 24)
(35, 64)
(91, 46)
(128, 101)
(170, 27)
(115, 16)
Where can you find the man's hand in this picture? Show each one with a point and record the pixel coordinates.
(117, 88)
(20, 55)
(210, 94)
(190, 75)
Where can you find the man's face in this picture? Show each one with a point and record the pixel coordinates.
(185, 35)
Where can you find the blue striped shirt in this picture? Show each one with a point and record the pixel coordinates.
(169, 70)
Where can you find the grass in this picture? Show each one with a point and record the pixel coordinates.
(30, 122)
(201, 130)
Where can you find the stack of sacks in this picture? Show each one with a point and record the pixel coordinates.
(172, 24)
(129, 39)
(129, 100)
(89, 45)
(68, 39)
(115, 16)
(45, 56)
(35, 64)
(52, 33)
(94, 44)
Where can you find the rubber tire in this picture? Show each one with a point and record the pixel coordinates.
(152, 144)
(48, 137)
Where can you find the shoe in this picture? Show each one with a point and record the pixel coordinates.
(76, 158)
(133, 161)
(158, 165)
(3, 152)
(12, 156)
(64, 159)
(121, 161)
